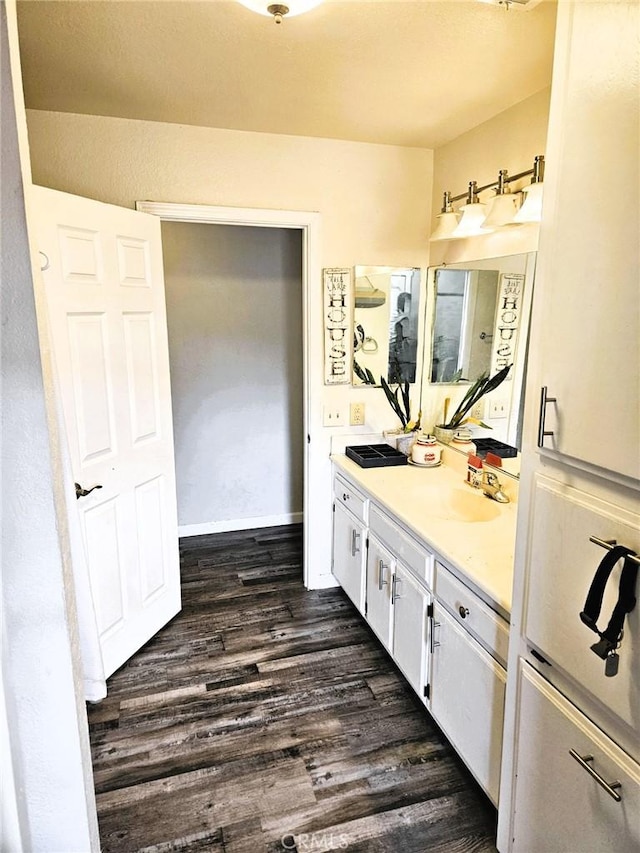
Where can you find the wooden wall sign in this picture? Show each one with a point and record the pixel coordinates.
(338, 335)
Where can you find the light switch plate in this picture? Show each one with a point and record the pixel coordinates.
(333, 416)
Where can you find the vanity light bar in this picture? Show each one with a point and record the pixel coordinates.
(448, 218)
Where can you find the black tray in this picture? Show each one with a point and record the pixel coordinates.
(492, 445)
(375, 455)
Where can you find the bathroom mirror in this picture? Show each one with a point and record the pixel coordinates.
(480, 313)
(386, 325)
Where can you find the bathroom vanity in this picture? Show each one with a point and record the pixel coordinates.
(428, 562)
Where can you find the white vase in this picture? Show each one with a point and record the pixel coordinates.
(406, 441)
(443, 434)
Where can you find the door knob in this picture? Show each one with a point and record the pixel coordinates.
(82, 493)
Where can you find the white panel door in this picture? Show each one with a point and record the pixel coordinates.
(105, 299)
(380, 566)
(467, 699)
(409, 627)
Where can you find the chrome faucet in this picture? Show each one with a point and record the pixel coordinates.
(492, 487)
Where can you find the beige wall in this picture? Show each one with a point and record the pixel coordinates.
(374, 199)
(510, 140)
(234, 314)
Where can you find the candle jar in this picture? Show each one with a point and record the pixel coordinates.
(426, 451)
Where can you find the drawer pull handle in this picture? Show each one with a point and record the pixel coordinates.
(463, 611)
(394, 589)
(381, 581)
(608, 544)
(609, 787)
(355, 539)
(345, 496)
(544, 402)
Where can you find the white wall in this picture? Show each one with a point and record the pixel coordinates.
(49, 766)
(234, 312)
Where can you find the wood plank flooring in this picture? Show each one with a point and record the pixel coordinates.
(265, 718)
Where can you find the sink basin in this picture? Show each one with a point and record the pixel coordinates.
(471, 505)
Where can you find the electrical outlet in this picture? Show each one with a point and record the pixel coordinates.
(477, 411)
(356, 414)
(332, 416)
(497, 409)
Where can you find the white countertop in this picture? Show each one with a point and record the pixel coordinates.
(430, 503)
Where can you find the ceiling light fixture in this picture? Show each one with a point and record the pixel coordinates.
(505, 209)
(278, 10)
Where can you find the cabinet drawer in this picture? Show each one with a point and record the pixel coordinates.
(407, 551)
(559, 804)
(484, 623)
(349, 497)
(562, 563)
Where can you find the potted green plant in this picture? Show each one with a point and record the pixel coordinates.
(401, 404)
(483, 385)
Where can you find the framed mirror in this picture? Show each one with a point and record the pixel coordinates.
(386, 322)
(480, 323)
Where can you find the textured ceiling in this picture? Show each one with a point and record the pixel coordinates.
(415, 73)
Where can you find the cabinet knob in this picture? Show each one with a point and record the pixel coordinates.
(463, 611)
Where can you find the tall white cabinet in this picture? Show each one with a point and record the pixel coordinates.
(570, 771)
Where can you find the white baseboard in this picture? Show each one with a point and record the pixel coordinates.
(239, 524)
(324, 582)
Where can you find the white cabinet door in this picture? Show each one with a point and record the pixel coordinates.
(105, 303)
(348, 554)
(559, 804)
(409, 627)
(467, 699)
(588, 320)
(380, 566)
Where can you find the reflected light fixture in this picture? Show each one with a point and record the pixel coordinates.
(474, 213)
(505, 208)
(505, 205)
(277, 11)
(531, 210)
(447, 220)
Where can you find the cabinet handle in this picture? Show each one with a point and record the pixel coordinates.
(395, 580)
(463, 611)
(381, 581)
(542, 433)
(434, 643)
(345, 496)
(355, 548)
(609, 787)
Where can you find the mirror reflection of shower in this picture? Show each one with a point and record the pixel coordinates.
(464, 323)
(386, 319)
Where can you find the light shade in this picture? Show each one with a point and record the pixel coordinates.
(472, 222)
(447, 223)
(503, 210)
(295, 7)
(531, 210)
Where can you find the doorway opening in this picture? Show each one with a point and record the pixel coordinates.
(308, 224)
(234, 317)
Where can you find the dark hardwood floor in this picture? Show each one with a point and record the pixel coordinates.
(265, 718)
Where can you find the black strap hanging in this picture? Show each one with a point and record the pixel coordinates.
(612, 634)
